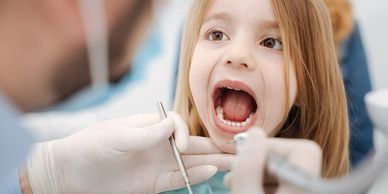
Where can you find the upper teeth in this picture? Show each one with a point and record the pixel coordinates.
(230, 88)
(220, 115)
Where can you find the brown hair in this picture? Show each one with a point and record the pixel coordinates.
(321, 113)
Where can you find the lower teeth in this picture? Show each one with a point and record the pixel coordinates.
(220, 115)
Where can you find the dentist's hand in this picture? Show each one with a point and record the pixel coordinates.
(129, 155)
(249, 174)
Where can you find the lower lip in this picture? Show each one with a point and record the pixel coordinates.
(229, 129)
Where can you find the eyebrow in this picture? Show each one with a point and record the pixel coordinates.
(271, 24)
(218, 16)
(223, 16)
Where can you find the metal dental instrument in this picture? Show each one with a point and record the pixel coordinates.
(178, 158)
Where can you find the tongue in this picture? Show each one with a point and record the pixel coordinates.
(237, 105)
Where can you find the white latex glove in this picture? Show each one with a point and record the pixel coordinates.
(130, 155)
(248, 174)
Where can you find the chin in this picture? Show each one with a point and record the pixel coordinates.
(224, 145)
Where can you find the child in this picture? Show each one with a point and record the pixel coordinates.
(265, 63)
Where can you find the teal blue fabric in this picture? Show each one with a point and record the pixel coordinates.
(215, 185)
(15, 142)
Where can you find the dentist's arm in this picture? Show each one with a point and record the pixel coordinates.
(130, 155)
(249, 174)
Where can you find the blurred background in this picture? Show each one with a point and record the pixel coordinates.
(373, 18)
(155, 67)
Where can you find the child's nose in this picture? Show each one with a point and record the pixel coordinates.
(239, 58)
(242, 64)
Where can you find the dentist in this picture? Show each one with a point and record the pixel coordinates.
(49, 51)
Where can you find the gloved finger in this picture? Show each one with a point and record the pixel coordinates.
(287, 189)
(181, 132)
(142, 120)
(201, 145)
(270, 186)
(173, 180)
(148, 137)
(304, 154)
(221, 161)
(249, 165)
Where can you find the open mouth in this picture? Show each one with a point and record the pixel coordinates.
(235, 107)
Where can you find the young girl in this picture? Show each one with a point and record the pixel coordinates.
(265, 63)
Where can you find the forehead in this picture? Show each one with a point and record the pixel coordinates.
(250, 11)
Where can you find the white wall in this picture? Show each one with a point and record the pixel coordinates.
(373, 18)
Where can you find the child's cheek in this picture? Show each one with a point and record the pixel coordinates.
(199, 75)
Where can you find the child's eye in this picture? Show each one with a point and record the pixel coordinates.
(217, 36)
(272, 43)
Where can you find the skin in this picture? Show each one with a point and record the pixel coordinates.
(44, 47)
(232, 45)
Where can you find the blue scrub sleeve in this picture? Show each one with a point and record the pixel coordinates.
(13, 186)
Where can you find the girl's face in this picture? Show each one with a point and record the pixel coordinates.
(237, 74)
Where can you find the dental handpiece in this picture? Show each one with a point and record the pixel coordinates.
(178, 158)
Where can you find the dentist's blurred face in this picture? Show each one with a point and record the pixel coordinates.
(128, 22)
(237, 74)
(43, 52)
